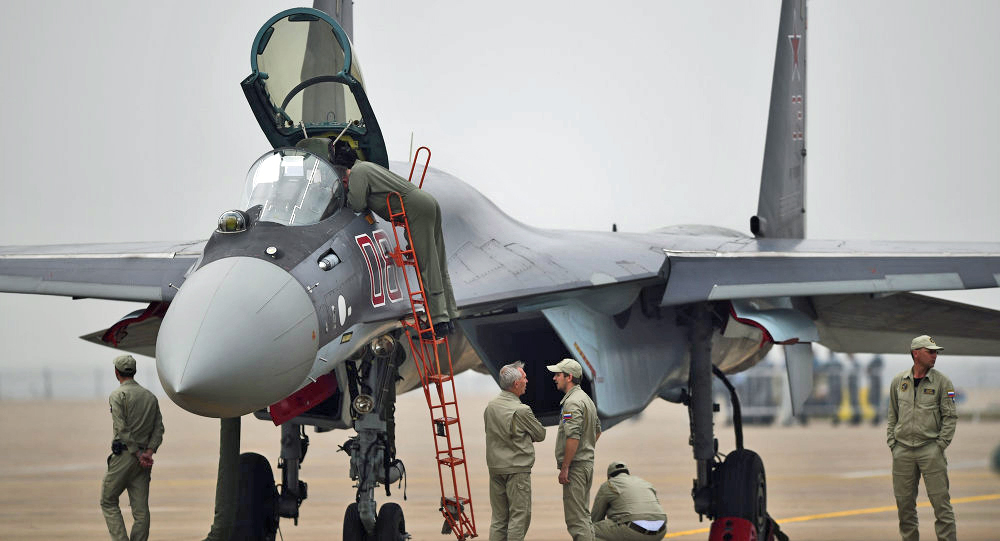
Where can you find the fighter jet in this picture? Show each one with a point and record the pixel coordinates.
(295, 299)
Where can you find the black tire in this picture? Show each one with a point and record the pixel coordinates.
(257, 510)
(390, 526)
(742, 490)
(354, 530)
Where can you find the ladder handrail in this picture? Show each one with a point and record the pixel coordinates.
(414, 165)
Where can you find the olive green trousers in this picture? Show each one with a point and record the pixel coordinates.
(608, 530)
(510, 499)
(124, 473)
(424, 216)
(576, 501)
(908, 465)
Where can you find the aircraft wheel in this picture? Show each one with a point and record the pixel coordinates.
(742, 489)
(390, 526)
(257, 511)
(354, 530)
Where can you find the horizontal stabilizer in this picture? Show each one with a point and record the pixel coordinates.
(862, 324)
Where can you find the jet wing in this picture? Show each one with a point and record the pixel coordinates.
(856, 291)
(748, 268)
(140, 272)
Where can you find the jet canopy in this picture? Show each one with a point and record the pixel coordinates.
(306, 81)
(293, 187)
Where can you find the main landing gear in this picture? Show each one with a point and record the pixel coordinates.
(372, 387)
(733, 491)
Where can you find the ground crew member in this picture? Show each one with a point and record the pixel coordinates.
(511, 430)
(626, 508)
(922, 420)
(579, 429)
(138, 432)
(367, 186)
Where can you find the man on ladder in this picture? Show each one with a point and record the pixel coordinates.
(367, 186)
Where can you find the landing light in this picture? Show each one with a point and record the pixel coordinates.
(382, 345)
(363, 403)
(232, 221)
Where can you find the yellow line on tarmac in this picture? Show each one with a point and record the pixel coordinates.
(852, 512)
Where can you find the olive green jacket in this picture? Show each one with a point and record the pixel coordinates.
(368, 186)
(929, 415)
(579, 421)
(511, 430)
(625, 498)
(135, 417)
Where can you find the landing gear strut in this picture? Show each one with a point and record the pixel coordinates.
(732, 492)
(372, 387)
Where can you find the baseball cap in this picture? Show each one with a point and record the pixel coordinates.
(568, 366)
(617, 467)
(125, 364)
(924, 341)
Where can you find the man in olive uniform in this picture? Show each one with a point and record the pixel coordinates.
(579, 429)
(922, 420)
(138, 432)
(626, 508)
(511, 430)
(367, 186)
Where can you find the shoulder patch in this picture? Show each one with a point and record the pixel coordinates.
(566, 416)
(905, 386)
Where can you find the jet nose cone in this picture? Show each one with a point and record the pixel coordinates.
(240, 335)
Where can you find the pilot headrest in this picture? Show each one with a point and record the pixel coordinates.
(319, 146)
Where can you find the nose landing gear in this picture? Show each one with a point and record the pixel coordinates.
(372, 388)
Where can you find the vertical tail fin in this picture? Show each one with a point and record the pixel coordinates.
(781, 209)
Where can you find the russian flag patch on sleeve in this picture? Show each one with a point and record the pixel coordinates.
(567, 417)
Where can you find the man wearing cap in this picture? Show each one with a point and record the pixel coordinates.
(138, 432)
(626, 508)
(579, 429)
(511, 430)
(922, 420)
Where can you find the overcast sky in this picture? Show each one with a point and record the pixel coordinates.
(124, 121)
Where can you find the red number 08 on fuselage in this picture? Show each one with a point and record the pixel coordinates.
(381, 273)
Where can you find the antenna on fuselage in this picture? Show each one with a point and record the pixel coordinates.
(410, 158)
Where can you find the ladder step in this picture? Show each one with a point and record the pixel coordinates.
(440, 378)
(451, 461)
(446, 420)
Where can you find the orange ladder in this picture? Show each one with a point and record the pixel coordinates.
(438, 382)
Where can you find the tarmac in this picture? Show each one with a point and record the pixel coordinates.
(824, 482)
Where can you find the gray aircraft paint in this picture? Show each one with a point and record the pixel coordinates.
(742, 218)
